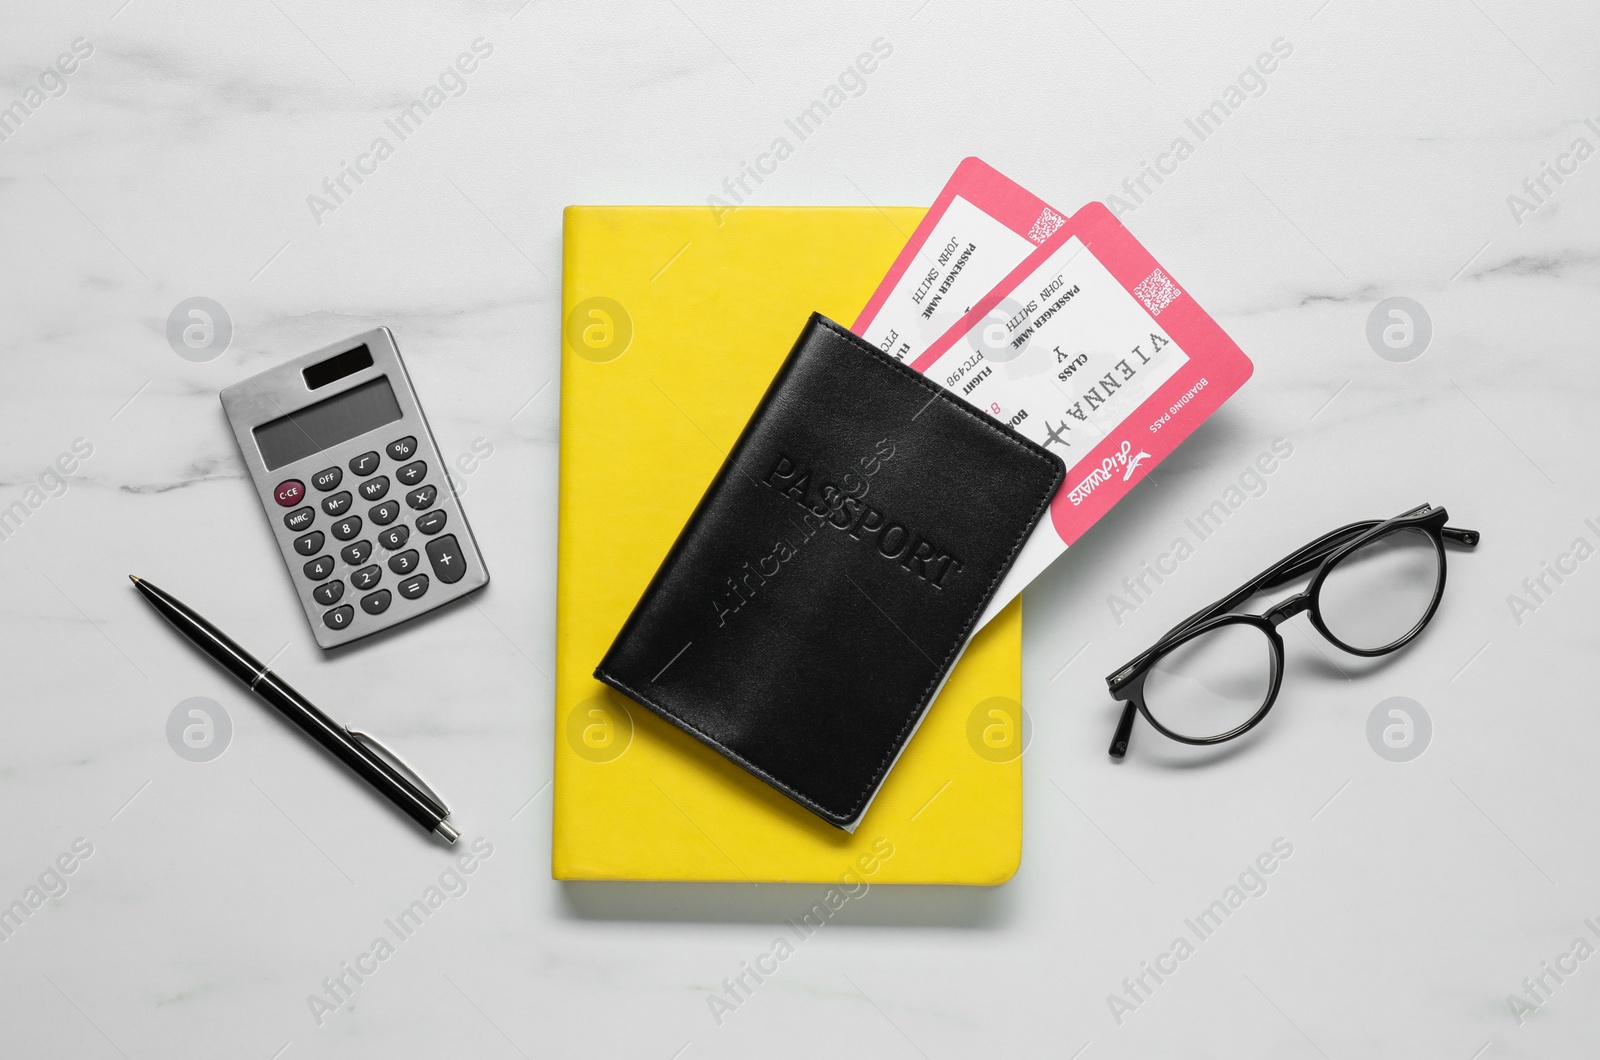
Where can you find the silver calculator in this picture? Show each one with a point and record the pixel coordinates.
(354, 488)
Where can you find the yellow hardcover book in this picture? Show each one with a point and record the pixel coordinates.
(675, 320)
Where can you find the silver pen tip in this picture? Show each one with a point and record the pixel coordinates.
(449, 833)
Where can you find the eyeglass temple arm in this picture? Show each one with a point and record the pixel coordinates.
(1119, 739)
(1307, 559)
(1295, 565)
(1303, 562)
(1292, 566)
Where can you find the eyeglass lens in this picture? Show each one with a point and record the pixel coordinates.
(1378, 593)
(1211, 684)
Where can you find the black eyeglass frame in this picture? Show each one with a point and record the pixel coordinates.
(1321, 556)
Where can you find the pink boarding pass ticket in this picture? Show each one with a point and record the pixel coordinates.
(1090, 348)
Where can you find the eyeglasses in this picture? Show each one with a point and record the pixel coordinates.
(1215, 675)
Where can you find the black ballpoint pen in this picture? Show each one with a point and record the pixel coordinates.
(366, 757)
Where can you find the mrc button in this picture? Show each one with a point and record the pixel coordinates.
(290, 492)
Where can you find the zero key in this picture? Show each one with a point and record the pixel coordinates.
(445, 556)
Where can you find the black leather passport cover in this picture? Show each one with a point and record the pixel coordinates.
(813, 604)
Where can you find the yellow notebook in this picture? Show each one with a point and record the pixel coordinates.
(674, 324)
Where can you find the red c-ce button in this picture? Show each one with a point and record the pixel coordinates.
(289, 492)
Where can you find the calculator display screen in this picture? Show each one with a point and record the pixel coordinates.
(327, 423)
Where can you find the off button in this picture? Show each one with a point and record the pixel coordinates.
(289, 492)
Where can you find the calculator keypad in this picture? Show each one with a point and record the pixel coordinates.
(359, 559)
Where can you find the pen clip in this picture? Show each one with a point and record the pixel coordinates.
(395, 762)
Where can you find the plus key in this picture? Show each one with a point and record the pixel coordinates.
(445, 556)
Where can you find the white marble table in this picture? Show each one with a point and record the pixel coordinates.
(208, 900)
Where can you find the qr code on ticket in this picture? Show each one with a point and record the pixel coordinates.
(1157, 292)
(1046, 225)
